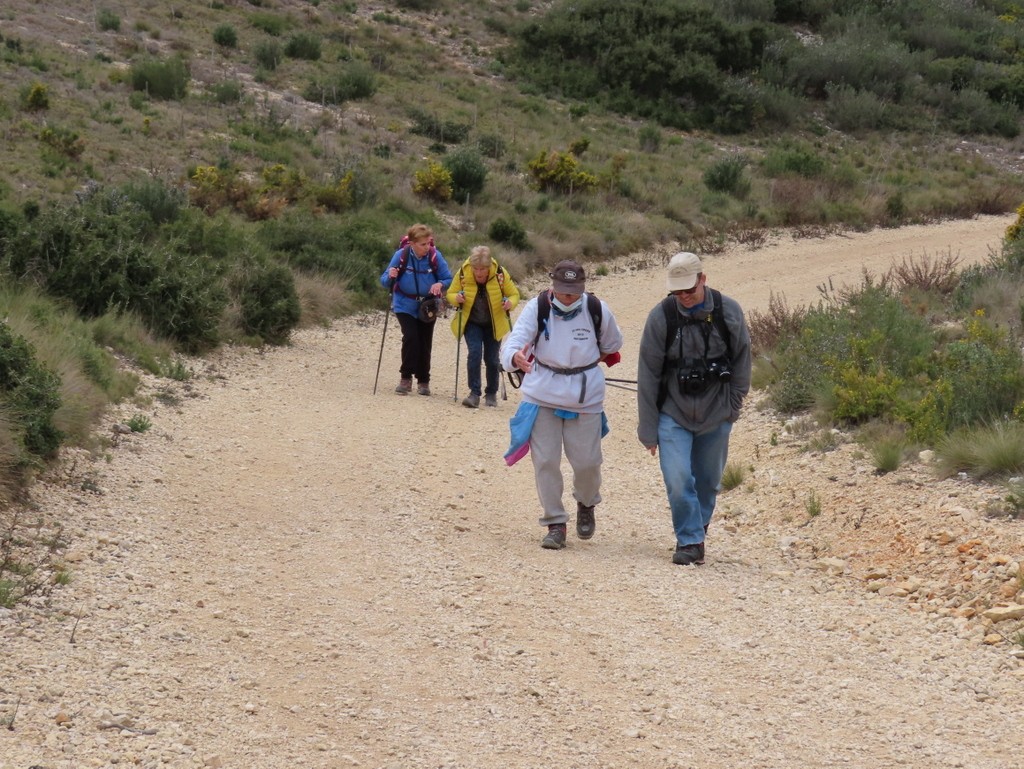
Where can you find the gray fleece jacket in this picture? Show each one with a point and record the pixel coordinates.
(657, 367)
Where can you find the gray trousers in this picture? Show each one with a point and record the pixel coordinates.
(581, 439)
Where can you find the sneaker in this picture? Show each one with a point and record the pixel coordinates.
(491, 399)
(689, 554)
(404, 387)
(423, 389)
(555, 538)
(471, 401)
(585, 523)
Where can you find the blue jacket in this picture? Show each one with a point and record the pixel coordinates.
(414, 284)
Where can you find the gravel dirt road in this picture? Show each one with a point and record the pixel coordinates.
(288, 571)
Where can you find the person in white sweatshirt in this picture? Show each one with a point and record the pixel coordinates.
(557, 343)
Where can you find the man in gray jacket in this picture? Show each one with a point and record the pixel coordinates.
(693, 374)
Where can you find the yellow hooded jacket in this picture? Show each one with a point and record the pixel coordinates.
(499, 286)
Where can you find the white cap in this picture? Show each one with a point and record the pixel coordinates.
(683, 270)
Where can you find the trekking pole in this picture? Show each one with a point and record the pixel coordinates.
(387, 314)
(458, 351)
(504, 394)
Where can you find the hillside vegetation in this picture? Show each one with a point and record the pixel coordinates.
(181, 175)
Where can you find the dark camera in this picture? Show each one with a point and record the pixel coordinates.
(692, 379)
(719, 371)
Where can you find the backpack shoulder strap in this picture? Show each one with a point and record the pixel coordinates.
(543, 311)
(718, 316)
(668, 306)
(594, 308)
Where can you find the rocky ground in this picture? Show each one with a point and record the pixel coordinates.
(288, 570)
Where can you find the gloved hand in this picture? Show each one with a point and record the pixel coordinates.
(611, 359)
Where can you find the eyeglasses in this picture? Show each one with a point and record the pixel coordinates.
(686, 291)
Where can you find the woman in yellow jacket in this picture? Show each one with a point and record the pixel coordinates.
(484, 294)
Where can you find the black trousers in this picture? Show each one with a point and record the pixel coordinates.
(417, 343)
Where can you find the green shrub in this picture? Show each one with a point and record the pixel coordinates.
(649, 138)
(161, 202)
(165, 79)
(799, 161)
(303, 45)
(726, 175)
(268, 301)
(865, 344)
(338, 196)
(96, 255)
(665, 61)
(107, 20)
(270, 23)
(508, 231)
(227, 92)
(468, 173)
(139, 423)
(353, 250)
(29, 395)
(418, 5)
(225, 36)
(35, 98)
(985, 376)
(972, 112)
(353, 81)
(268, 54)
(63, 141)
(492, 146)
(852, 110)
(450, 132)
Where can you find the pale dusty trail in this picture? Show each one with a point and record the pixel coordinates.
(289, 571)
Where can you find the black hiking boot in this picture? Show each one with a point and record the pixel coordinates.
(686, 555)
(585, 523)
(555, 538)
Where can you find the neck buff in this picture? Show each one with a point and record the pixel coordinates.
(566, 311)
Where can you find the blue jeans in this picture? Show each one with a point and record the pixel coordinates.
(692, 466)
(481, 345)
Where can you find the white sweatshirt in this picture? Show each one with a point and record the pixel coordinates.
(571, 345)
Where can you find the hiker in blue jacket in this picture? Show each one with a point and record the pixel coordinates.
(417, 272)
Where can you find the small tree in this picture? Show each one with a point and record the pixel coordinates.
(468, 173)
